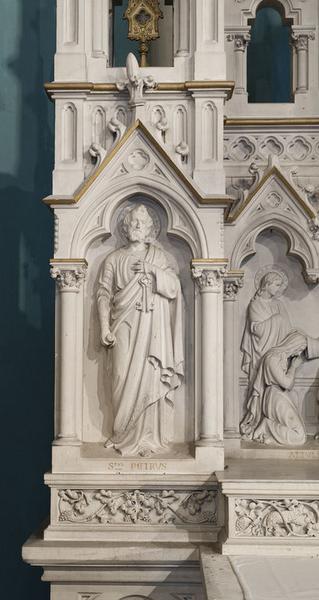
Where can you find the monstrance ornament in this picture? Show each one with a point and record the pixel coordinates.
(142, 17)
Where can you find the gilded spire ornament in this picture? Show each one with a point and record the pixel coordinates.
(142, 17)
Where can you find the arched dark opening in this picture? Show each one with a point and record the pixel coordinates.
(269, 56)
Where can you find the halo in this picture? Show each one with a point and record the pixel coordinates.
(151, 211)
(273, 269)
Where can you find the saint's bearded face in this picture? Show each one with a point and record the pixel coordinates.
(139, 227)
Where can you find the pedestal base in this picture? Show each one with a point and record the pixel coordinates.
(91, 571)
(272, 507)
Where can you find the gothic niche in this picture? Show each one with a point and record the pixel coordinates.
(279, 350)
(138, 392)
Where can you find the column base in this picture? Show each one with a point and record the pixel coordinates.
(210, 441)
(67, 441)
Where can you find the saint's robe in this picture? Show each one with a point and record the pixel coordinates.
(267, 324)
(147, 358)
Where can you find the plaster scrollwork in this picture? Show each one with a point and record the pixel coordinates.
(161, 127)
(314, 228)
(98, 153)
(159, 122)
(276, 518)
(311, 276)
(88, 596)
(152, 507)
(239, 188)
(117, 128)
(210, 280)
(68, 279)
(232, 285)
(182, 150)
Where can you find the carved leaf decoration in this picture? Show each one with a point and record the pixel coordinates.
(152, 506)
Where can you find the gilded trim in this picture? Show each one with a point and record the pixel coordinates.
(228, 122)
(235, 273)
(212, 261)
(221, 201)
(68, 260)
(273, 171)
(183, 86)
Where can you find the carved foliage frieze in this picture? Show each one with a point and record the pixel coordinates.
(151, 507)
(276, 518)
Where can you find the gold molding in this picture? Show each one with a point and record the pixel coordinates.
(273, 122)
(183, 86)
(219, 201)
(210, 260)
(68, 260)
(232, 273)
(273, 171)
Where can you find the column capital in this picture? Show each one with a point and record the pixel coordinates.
(208, 273)
(233, 281)
(240, 39)
(68, 273)
(300, 39)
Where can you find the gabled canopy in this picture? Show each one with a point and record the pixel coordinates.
(269, 193)
(139, 153)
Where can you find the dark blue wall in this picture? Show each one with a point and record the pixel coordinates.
(269, 58)
(27, 40)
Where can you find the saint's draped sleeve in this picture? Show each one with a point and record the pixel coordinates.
(276, 373)
(267, 324)
(167, 283)
(105, 286)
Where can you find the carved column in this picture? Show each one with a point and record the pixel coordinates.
(233, 281)
(183, 30)
(208, 275)
(69, 275)
(240, 45)
(301, 44)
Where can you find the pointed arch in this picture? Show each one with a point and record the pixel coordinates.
(300, 245)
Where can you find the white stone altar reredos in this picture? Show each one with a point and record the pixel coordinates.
(234, 196)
